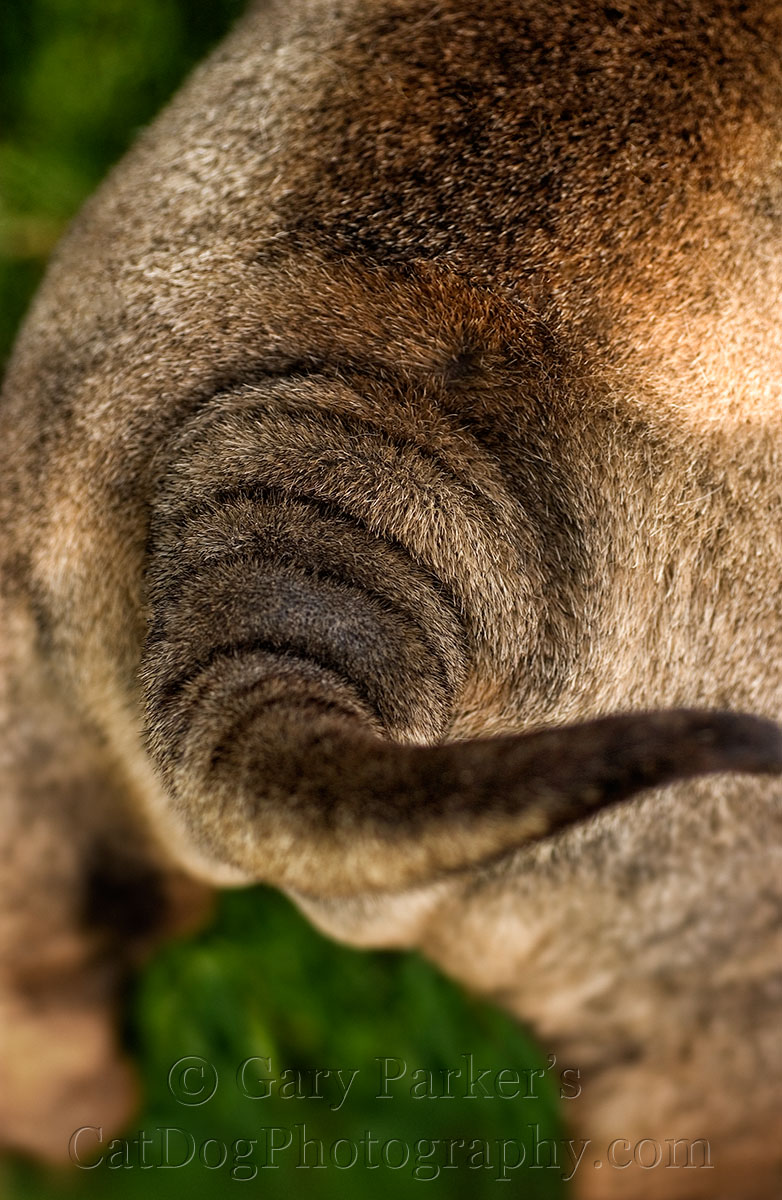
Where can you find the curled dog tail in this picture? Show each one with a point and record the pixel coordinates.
(306, 653)
(290, 787)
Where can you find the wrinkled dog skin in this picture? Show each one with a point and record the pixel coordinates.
(389, 487)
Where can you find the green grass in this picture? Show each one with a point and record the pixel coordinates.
(77, 79)
(262, 988)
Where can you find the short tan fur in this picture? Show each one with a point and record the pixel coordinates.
(389, 488)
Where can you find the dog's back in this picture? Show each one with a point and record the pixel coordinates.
(415, 379)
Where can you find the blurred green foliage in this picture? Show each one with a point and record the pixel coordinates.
(77, 79)
(261, 983)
